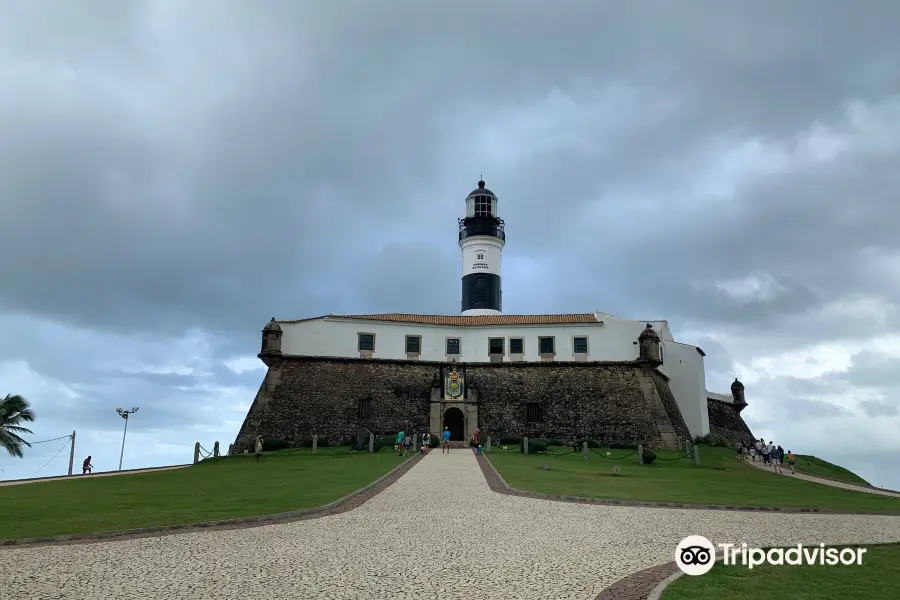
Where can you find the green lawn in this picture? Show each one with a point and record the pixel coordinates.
(878, 578)
(212, 490)
(721, 479)
(820, 468)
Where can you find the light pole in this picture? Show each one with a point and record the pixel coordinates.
(124, 414)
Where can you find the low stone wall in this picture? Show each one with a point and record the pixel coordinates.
(610, 402)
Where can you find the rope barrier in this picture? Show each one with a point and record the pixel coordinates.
(594, 450)
(548, 453)
(51, 459)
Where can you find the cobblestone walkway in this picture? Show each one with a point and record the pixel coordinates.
(823, 481)
(438, 532)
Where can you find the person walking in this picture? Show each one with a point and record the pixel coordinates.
(791, 460)
(757, 444)
(400, 437)
(407, 442)
(445, 447)
(477, 440)
(86, 466)
(776, 459)
(259, 448)
(767, 452)
(425, 441)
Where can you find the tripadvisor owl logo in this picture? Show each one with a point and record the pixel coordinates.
(695, 555)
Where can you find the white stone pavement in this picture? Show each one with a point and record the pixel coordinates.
(438, 532)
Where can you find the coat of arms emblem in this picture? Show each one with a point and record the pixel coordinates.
(454, 384)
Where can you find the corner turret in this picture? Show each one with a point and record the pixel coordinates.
(737, 393)
(271, 340)
(648, 342)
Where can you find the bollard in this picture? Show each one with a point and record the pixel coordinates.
(371, 442)
(196, 452)
(315, 442)
(616, 471)
(487, 446)
(216, 449)
(415, 444)
(584, 449)
(525, 445)
(640, 454)
(696, 456)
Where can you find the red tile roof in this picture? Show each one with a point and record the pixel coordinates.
(469, 321)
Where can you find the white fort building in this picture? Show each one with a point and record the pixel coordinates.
(588, 375)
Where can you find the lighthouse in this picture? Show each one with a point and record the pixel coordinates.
(481, 240)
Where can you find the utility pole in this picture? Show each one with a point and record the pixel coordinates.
(124, 414)
(72, 454)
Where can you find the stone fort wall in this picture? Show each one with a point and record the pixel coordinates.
(624, 402)
(726, 422)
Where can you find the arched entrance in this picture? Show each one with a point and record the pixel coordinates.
(455, 422)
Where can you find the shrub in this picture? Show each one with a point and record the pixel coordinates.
(649, 456)
(591, 444)
(510, 441)
(270, 445)
(555, 442)
(711, 439)
(534, 446)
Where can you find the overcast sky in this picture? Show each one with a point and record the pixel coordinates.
(173, 175)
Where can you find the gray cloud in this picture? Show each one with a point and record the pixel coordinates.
(172, 181)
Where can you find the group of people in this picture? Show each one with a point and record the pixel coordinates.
(404, 442)
(769, 454)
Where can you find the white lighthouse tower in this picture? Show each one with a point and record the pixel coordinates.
(481, 239)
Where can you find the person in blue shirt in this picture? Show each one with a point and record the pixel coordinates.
(445, 447)
(400, 437)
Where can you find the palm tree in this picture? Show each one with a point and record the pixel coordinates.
(14, 410)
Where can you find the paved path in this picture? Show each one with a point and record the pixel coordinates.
(839, 484)
(438, 532)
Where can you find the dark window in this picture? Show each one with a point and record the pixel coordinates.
(479, 281)
(534, 412)
(365, 408)
(366, 341)
(480, 257)
(580, 345)
(482, 206)
(546, 345)
(413, 344)
(495, 346)
(516, 346)
(453, 346)
(660, 354)
(644, 353)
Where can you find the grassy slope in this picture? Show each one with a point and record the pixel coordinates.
(227, 488)
(821, 468)
(721, 479)
(878, 578)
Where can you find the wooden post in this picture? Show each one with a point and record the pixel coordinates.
(371, 442)
(315, 442)
(72, 454)
(584, 449)
(525, 445)
(196, 452)
(216, 449)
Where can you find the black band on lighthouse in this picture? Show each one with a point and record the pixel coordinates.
(481, 291)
